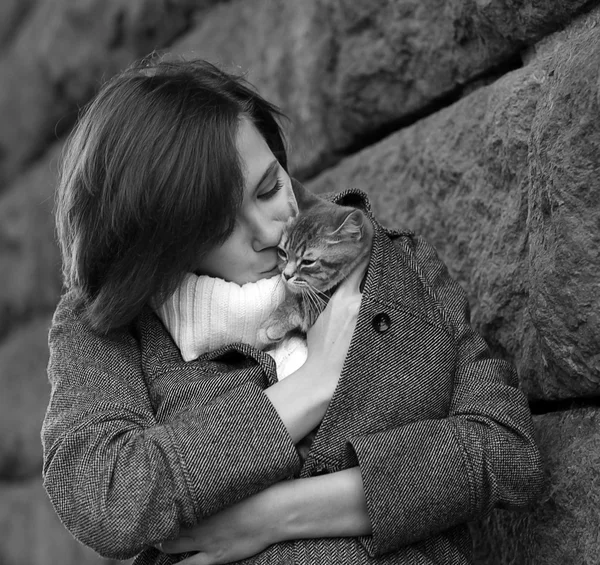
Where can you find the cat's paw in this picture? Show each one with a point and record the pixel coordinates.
(271, 334)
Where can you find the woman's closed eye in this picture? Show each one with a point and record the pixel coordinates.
(270, 193)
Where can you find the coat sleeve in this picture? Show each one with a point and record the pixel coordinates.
(430, 475)
(119, 480)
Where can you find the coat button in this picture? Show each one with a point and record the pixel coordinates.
(381, 322)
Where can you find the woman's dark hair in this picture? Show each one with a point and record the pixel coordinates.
(151, 178)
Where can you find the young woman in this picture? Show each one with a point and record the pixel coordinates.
(175, 168)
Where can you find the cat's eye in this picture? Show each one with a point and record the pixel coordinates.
(308, 262)
(282, 254)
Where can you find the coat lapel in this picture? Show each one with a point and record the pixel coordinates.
(394, 293)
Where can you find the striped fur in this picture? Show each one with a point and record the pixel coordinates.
(318, 250)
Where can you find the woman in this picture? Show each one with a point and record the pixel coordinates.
(177, 167)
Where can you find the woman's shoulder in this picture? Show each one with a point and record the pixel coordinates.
(71, 333)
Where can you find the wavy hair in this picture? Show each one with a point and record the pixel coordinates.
(151, 179)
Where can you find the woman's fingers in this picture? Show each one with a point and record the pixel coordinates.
(200, 558)
(182, 544)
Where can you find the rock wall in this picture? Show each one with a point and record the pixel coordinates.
(472, 122)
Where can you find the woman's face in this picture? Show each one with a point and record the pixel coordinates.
(250, 252)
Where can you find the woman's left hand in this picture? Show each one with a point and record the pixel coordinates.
(235, 533)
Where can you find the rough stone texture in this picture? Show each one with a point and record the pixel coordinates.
(28, 253)
(25, 395)
(475, 178)
(12, 14)
(343, 69)
(564, 210)
(562, 529)
(340, 68)
(61, 54)
(33, 532)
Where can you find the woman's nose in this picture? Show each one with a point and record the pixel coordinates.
(266, 234)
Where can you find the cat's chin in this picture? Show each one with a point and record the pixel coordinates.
(301, 289)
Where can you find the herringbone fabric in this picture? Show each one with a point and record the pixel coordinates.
(137, 442)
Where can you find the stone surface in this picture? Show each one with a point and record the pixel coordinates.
(341, 69)
(346, 69)
(562, 529)
(61, 54)
(29, 258)
(564, 210)
(34, 533)
(12, 15)
(469, 178)
(25, 394)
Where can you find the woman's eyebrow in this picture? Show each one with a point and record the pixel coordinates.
(268, 172)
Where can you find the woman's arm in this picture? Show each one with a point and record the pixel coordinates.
(302, 398)
(111, 467)
(120, 478)
(429, 475)
(330, 505)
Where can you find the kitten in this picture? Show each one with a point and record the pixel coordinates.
(319, 248)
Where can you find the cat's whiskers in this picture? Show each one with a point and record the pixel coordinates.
(322, 243)
(315, 303)
(276, 287)
(320, 294)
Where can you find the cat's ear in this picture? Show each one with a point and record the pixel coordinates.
(353, 224)
(304, 197)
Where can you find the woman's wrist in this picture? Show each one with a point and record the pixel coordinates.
(301, 400)
(325, 506)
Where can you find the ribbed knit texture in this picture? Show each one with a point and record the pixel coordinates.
(206, 313)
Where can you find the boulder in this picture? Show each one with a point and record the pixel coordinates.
(25, 395)
(349, 71)
(61, 54)
(29, 257)
(562, 529)
(12, 15)
(340, 69)
(468, 178)
(564, 211)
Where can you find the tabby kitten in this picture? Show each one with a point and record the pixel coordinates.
(319, 248)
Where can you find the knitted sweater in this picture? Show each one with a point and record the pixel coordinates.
(206, 313)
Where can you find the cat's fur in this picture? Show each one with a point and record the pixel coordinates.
(319, 248)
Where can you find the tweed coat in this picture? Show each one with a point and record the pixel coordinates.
(138, 443)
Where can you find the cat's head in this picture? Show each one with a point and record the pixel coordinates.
(321, 246)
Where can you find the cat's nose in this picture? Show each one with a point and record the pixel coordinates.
(286, 276)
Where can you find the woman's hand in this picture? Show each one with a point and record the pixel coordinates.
(301, 399)
(235, 533)
(329, 338)
(330, 505)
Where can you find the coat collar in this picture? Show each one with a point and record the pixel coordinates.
(392, 281)
(394, 278)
